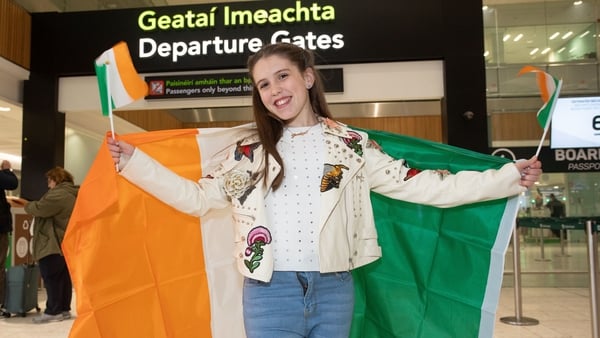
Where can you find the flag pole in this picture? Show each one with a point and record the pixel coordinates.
(108, 97)
(110, 111)
(537, 153)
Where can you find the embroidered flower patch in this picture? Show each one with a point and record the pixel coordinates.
(257, 238)
(353, 142)
(238, 184)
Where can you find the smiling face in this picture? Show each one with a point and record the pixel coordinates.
(283, 90)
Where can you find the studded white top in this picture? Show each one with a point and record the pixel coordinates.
(293, 210)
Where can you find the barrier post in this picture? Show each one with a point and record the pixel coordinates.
(542, 251)
(592, 245)
(563, 241)
(518, 319)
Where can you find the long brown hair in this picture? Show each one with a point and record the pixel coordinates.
(270, 128)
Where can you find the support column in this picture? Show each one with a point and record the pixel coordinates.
(43, 143)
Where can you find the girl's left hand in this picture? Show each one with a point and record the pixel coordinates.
(530, 170)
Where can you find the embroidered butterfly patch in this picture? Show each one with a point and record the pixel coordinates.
(246, 150)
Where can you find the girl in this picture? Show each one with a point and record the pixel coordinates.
(299, 190)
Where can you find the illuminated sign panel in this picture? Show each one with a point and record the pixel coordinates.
(221, 84)
(223, 35)
(227, 17)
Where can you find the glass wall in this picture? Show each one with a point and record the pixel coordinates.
(560, 37)
(540, 32)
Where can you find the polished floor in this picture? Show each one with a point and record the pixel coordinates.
(554, 292)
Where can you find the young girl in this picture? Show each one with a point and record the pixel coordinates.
(299, 191)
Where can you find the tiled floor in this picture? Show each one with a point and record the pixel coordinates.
(555, 291)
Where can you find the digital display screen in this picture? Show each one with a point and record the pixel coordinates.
(576, 123)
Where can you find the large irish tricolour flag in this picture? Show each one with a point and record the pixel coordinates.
(142, 269)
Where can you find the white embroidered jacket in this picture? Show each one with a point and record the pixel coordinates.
(353, 167)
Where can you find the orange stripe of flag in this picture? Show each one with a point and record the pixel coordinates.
(542, 81)
(138, 261)
(135, 87)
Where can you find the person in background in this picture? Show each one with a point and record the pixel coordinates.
(557, 209)
(8, 181)
(51, 216)
(299, 190)
(539, 201)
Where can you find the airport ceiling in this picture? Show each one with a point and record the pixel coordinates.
(33, 6)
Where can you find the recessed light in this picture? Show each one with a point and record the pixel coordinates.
(4, 108)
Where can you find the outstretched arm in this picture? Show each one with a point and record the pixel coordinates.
(187, 196)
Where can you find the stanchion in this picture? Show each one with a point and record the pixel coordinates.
(542, 251)
(592, 245)
(518, 319)
(563, 241)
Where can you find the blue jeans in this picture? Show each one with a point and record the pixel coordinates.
(299, 304)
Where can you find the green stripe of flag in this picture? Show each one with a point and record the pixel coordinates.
(544, 115)
(441, 270)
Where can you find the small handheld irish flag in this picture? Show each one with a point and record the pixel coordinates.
(118, 81)
(549, 87)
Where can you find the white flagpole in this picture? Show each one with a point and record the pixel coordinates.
(110, 112)
(537, 153)
(108, 97)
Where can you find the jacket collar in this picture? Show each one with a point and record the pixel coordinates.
(329, 127)
(334, 127)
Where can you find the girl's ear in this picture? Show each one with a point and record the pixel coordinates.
(309, 77)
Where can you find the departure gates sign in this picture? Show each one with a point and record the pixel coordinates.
(155, 23)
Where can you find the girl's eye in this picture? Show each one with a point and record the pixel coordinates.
(262, 85)
(283, 76)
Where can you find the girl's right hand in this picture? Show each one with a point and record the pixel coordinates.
(118, 147)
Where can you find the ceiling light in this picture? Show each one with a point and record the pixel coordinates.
(484, 8)
(553, 36)
(518, 37)
(567, 35)
(4, 108)
(546, 50)
(487, 52)
(577, 3)
(535, 50)
(561, 50)
(506, 37)
(584, 34)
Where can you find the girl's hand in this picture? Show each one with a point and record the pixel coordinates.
(530, 170)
